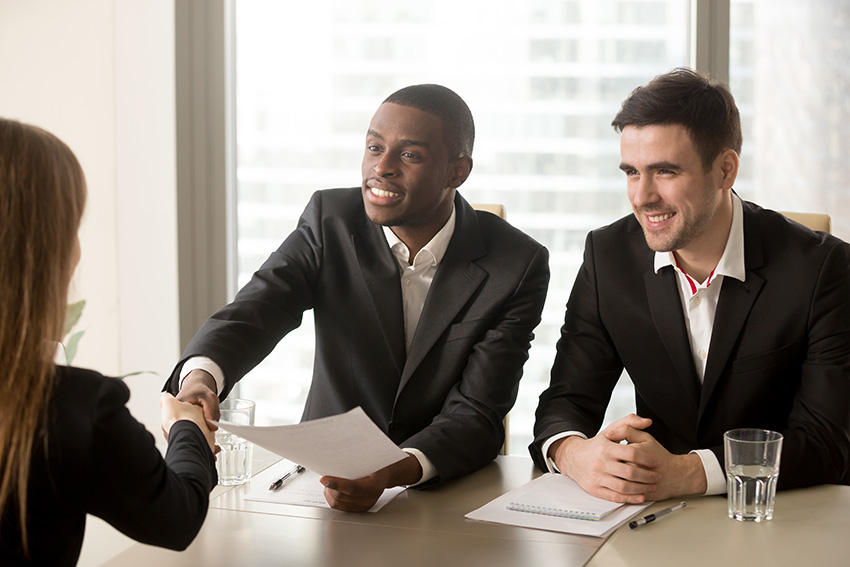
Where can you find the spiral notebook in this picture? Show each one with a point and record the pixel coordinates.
(558, 495)
(555, 493)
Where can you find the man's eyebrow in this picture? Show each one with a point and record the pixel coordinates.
(664, 165)
(657, 165)
(403, 142)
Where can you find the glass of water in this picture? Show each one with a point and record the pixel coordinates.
(233, 462)
(752, 468)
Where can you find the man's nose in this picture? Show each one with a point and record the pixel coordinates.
(386, 165)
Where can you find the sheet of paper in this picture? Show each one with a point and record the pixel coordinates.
(496, 511)
(302, 489)
(348, 445)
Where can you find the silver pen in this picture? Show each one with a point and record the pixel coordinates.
(652, 517)
(279, 482)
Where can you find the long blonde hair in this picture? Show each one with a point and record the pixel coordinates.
(42, 196)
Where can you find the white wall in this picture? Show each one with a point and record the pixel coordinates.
(100, 75)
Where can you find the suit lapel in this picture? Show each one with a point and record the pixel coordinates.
(457, 278)
(381, 276)
(733, 308)
(666, 309)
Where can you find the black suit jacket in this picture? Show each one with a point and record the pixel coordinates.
(779, 356)
(95, 458)
(447, 397)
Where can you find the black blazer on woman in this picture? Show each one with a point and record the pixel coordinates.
(95, 458)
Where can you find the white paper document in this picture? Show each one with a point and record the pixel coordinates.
(348, 445)
(301, 489)
(560, 492)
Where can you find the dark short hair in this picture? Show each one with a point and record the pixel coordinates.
(682, 96)
(458, 126)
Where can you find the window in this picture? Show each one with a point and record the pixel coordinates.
(789, 69)
(543, 79)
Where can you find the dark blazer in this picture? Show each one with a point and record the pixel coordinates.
(779, 356)
(448, 396)
(95, 458)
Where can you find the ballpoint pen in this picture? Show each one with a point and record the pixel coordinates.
(652, 517)
(279, 482)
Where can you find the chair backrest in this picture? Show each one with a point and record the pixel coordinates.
(815, 221)
(498, 210)
(495, 208)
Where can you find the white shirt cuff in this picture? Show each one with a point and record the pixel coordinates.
(202, 363)
(715, 478)
(428, 469)
(550, 464)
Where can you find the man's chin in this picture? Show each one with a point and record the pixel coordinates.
(379, 216)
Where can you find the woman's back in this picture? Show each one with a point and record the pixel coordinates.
(98, 459)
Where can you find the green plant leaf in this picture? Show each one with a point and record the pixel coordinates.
(71, 346)
(72, 315)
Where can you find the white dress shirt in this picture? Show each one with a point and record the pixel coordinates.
(416, 278)
(699, 304)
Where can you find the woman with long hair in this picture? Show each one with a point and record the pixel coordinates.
(68, 445)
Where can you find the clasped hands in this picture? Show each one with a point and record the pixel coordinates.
(624, 463)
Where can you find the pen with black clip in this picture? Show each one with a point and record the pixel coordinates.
(652, 517)
(279, 482)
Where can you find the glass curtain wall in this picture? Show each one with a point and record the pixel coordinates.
(544, 78)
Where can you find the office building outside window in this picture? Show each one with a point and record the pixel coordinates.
(789, 69)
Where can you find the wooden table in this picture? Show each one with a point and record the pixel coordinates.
(427, 528)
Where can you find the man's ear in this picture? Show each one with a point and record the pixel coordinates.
(459, 170)
(729, 162)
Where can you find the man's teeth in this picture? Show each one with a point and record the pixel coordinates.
(659, 218)
(382, 193)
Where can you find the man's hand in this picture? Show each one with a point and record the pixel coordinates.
(630, 472)
(681, 475)
(199, 388)
(607, 469)
(361, 494)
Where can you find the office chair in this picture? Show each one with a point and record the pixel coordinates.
(815, 221)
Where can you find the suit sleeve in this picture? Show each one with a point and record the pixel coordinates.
(156, 501)
(241, 334)
(586, 367)
(468, 432)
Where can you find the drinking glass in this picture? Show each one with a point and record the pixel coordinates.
(233, 462)
(752, 468)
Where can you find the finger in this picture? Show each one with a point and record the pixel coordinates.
(210, 407)
(628, 472)
(332, 482)
(614, 496)
(631, 420)
(624, 432)
(635, 453)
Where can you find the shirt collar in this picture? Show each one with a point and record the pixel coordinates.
(432, 253)
(732, 261)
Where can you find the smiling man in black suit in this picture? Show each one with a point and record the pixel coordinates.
(424, 307)
(724, 315)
